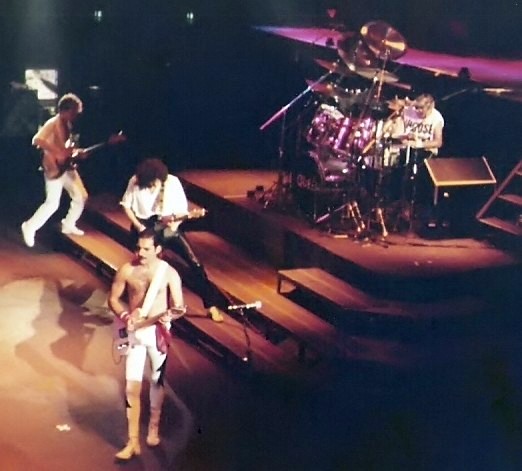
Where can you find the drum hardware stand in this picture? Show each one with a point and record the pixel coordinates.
(350, 212)
(409, 204)
(376, 213)
(278, 193)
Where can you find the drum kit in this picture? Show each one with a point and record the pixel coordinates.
(347, 155)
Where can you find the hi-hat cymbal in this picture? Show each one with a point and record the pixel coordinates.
(397, 104)
(384, 41)
(371, 73)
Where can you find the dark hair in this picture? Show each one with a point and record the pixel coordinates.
(150, 233)
(150, 170)
(70, 101)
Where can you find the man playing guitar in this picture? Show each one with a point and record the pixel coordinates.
(51, 139)
(154, 198)
(153, 291)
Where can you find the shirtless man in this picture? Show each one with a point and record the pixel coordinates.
(134, 279)
(53, 139)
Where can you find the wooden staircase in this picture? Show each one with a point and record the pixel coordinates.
(503, 211)
(284, 336)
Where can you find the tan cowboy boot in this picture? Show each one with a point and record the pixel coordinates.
(133, 422)
(153, 438)
(156, 396)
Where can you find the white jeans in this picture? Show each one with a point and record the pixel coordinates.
(143, 345)
(73, 184)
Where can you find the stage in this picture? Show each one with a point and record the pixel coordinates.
(421, 365)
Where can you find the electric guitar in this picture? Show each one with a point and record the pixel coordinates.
(163, 222)
(121, 341)
(54, 166)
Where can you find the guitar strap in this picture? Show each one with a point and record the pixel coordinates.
(159, 205)
(153, 289)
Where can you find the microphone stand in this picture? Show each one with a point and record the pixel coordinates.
(276, 191)
(248, 354)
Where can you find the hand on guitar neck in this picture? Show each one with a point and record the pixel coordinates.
(56, 162)
(173, 221)
(136, 321)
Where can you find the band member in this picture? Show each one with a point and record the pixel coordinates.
(416, 132)
(153, 195)
(416, 124)
(53, 139)
(151, 286)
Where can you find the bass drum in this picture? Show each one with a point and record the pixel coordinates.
(320, 169)
(321, 184)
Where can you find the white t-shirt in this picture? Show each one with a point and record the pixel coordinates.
(423, 129)
(144, 202)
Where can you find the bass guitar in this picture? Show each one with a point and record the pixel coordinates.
(54, 166)
(121, 342)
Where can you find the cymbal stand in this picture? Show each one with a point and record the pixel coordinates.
(277, 194)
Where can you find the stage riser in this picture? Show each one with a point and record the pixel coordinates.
(240, 226)
(255, 231)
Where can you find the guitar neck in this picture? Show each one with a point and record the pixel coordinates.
(94, 147)
(151, 320)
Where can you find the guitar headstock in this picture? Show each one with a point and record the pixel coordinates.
(116, 138)
(197, 213)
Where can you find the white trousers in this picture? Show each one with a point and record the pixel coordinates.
(143, 345)
(72, 183)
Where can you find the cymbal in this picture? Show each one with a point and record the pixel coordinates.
(326, 88)
(397, 104)
(355, 53)
(336, 67)
(345, 98)
(371, 73)
(384, 41)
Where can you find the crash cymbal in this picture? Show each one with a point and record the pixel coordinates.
(336, 67)
(384, 41)
(371, 73)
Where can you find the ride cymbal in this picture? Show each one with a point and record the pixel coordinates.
(384, 41)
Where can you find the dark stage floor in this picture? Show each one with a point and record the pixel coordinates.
(62, 407)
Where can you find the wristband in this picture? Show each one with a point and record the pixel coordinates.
(124, 316)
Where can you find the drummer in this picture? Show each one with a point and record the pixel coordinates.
(416, 125)
(415, 129)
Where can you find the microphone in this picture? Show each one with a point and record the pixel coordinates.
(235, 307)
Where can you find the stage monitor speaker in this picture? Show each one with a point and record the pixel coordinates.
(458, 172)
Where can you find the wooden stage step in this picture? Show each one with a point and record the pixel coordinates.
(246, 279)
(342, 296)
(227, 340)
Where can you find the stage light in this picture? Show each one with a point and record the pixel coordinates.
(190, 17)
(98, 16)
